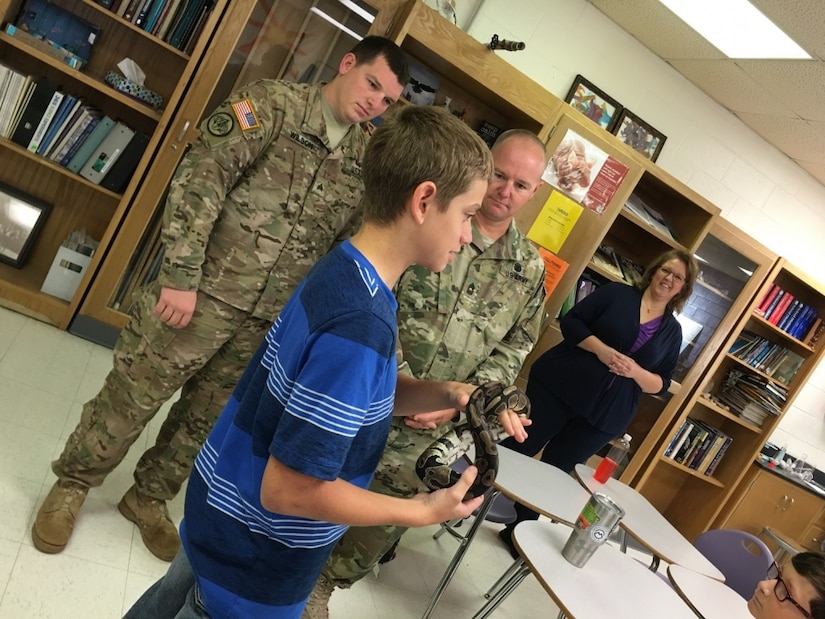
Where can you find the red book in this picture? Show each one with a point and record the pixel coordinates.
(766, 300)
(779, 311)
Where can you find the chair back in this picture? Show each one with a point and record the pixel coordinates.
(743, 558)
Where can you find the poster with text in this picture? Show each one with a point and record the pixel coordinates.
(584, 172)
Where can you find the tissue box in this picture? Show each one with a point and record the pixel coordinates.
(65, 273)
(128, 87)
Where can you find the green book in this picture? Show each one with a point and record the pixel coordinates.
(90, 145)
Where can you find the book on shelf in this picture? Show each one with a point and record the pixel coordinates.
(772, 306)
(12, 85)
(46, 47)
(32, 110)
(766, 300)
(45, 120)
(695, 459)
(88, 146)
(678, 438)
(803, 322)
(143, 12)
(170, 19)
(66, 129)
(812, 331)
(63, 115)
(780, 309)
(711, 468)
(695, 439)
(785, 368)
(119, 175)
(58, 26)
(631, 271)
(80, 133)
(790, 314)
(107, 153)
(15, 103)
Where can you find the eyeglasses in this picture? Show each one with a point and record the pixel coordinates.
(780, 589)
(676, 277)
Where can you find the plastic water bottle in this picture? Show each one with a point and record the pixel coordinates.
(612, 460)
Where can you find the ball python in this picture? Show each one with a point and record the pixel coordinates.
(486, 403)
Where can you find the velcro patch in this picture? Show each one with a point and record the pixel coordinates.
(244, 112)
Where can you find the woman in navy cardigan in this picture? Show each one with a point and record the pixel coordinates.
(619, 341)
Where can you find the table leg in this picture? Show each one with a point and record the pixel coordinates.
(504, 577)
(518, 572)
(463, 545)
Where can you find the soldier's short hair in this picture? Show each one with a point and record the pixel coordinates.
(415, 145)
(371, 47)
(523, 134)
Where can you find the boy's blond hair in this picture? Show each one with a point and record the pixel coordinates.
(419, 144)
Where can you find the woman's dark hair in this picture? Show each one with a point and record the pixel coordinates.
(811, 566)
(677, 303)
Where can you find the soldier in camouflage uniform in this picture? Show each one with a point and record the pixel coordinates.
(271, 184)
(474, 322)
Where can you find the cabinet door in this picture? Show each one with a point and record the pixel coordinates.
(298, 40)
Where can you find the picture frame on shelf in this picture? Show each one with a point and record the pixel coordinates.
(641, 136)
(21, 219)
(593, 102)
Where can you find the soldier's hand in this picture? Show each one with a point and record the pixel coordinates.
(431, 420)
(175, 307)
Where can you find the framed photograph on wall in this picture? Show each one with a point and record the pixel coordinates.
(593, 102)
(640, 136)
(21, 218)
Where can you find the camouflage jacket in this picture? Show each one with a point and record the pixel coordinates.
(260, 198)
(479, 329)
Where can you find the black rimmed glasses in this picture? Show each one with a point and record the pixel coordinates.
(676, 277)
(780, 589)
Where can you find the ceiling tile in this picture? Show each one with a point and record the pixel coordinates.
(726, 82)
(799, 84)
(799, 139)
(802, 20)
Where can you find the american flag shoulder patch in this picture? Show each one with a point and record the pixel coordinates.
(245, 114)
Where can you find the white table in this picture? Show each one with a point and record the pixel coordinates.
(648, 526)
(611, 584)
(544, 488)
(709, 598)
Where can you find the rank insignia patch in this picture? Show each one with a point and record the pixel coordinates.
(245, 115)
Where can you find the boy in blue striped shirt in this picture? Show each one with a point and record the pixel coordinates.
(285, 469)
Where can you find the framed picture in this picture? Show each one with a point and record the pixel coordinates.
(640, 136)
(21, 218)
(594, 103)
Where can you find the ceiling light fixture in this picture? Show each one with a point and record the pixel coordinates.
(737, 28)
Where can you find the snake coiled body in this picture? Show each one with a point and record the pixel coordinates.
(486, 403)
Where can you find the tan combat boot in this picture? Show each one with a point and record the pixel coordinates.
(318, 605)
(156, 528)
(55, 520)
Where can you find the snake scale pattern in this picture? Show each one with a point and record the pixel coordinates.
(486, 403)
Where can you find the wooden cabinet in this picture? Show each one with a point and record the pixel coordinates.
(769, 500)
(691, 500)
(78, 204)
(813, 537)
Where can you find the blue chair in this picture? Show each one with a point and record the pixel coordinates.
(742, 558)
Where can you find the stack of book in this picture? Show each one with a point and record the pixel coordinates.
(609, 260)
(37, 115)
(766, 356)
(585, 286)
(698, 446)
(752, 397)
(650, 216)
(176, 22)
(780, 308)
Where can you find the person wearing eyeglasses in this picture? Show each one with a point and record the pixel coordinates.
(795, 590)
(619, 341)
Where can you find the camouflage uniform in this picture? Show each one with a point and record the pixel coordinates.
(475, 321)
(258, 199)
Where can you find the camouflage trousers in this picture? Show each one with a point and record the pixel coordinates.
(361, 548)
(151, 362)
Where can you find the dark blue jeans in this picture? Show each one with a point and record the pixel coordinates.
(175, 596)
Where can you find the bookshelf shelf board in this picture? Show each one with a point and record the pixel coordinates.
(649, 229)
(83, 78)
(681, 467)
(8, 145)
(755, 371)
(17, 290)
(728, 415)
(125, 22)
(783, 334)
(715, 291)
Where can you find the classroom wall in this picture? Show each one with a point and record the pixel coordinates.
(758, 188)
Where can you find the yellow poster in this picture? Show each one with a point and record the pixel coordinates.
(554, 222)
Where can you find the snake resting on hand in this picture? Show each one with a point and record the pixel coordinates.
(483, 409)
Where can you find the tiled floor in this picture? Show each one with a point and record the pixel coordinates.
(45, 376)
